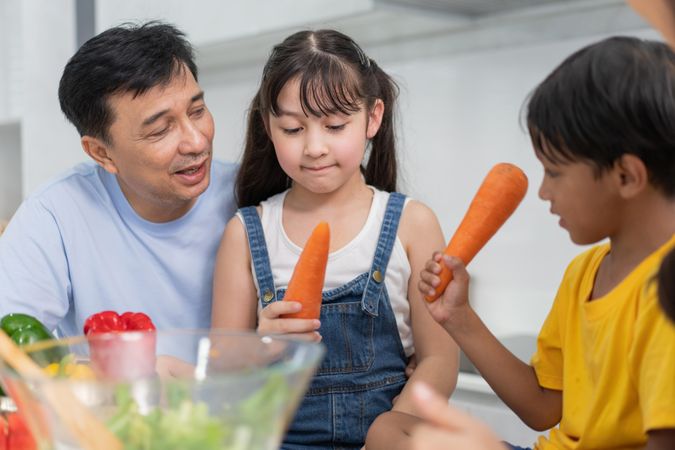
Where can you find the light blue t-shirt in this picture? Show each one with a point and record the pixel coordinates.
(76, 247)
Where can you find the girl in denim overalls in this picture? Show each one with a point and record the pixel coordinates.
(320, 146)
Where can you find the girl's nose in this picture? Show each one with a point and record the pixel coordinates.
(315, 146)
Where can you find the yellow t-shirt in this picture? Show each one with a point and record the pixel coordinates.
(613, 358)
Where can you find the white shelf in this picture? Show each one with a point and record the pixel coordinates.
(406, 32)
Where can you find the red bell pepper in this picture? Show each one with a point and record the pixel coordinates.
(121, 347)
(19, 437)
(111, 322)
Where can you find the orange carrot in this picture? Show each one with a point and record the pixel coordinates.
(498, 196)
(306, 282)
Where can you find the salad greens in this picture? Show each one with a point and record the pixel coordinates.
(186, 425)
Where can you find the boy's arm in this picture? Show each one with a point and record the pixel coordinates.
(661, 439)
(512, 380)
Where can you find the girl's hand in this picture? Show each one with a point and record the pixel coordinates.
(450, 308)
(446, 426)
(270, 322)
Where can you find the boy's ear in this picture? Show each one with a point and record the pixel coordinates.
(632, 175)
(99, 151)
(375, 118)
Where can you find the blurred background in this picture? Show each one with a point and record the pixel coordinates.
(465, 68)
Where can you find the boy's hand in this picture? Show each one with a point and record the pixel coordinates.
(449, 308)
(270, 322)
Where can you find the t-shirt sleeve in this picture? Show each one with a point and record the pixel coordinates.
(653, 361)
(34, 277)
(548, 358)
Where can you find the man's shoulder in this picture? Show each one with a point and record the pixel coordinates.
(85, 173)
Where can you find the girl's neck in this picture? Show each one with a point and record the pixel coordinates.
(302, 200)
(346, 210)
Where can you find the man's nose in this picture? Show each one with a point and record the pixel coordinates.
(194, 139)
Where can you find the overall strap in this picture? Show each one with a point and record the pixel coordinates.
(385, 245)
(259, 255)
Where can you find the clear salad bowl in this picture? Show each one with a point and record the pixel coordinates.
(168, 390)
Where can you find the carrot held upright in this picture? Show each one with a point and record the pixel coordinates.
(498, 196)
(306, 282)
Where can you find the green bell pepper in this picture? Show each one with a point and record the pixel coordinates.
(25, 329)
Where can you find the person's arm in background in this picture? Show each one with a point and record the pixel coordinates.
(446, 427)
(34, 275)
(437, 356)
(660, 13)
(512, 380)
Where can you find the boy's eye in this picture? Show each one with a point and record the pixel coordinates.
(336, 127)
(551, 173)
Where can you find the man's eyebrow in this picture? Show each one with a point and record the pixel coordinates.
(153, 118)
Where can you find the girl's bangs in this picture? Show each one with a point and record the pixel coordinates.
(329, 88)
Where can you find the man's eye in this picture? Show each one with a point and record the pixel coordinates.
(198, 112)
(159, 133)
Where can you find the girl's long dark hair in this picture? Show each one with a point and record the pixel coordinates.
(335, 76)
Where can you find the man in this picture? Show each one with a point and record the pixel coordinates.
(138, 228)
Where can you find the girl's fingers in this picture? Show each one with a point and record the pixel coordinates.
(288, 326)
(277, 309)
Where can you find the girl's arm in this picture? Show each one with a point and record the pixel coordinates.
(235, 300)
(234, 294)
(512, 380)
(435, 351)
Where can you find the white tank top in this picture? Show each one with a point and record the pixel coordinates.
(346, 263)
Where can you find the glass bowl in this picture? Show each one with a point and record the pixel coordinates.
(168, 390)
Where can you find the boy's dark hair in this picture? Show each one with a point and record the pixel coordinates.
(128, 58)
(666, 281)
(335, 76)
(610, 98)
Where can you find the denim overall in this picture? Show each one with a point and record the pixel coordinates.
(364, 366)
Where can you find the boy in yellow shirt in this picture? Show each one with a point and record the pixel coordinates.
(604, 370)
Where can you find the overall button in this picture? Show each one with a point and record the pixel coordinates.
(268, 296)
(377, 276)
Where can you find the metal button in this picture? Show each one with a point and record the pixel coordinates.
(377, 276)
(268, 296)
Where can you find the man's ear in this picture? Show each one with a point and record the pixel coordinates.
(375, 118)
(99, 151)
(632, 175)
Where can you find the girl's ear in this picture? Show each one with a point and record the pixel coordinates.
(632, 175)
(375, 118)
(99, 151)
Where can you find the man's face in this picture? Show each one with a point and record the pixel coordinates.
(161, 145)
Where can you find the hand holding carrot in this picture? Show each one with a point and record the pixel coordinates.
(498, 196)
(451, 309)
(273, 320)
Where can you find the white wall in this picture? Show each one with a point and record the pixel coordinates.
(49, 143)
(10, 170)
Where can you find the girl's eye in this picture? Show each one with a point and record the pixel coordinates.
(291, 130)
(336, 127)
